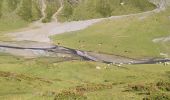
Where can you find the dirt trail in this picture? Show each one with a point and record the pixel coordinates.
(39, 22)
(161, 39)
(43, 9)
(54, 17)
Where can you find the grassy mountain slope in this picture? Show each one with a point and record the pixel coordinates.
(29, 10)
(87, 9)
(46, 79)
(26, 11)
(50, 79)
(17, 13)
(52, 7)
(130, 36)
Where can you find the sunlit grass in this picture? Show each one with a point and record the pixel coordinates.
(130, 36)
(28, 78)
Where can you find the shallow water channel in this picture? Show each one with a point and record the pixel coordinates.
(29, 49)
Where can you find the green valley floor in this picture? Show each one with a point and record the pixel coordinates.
(131, 36)
(46, 79)
(137, 36)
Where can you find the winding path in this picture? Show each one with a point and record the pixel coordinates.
(54, 17)
(44, 6)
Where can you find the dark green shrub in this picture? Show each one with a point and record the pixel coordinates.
(52, 7)
(35, 11)
(138, 88)
(25, 11)
(165, 86)
(67, 95)
(158, 96)
(29, 10)
(93, 87)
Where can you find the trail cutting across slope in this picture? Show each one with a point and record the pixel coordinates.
(43, 9)
(54, 17)
(39, 22)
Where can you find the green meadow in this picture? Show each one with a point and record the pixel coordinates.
(44, 79)
(130, 36)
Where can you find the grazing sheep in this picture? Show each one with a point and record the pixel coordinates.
(122, 3)
(119, 65)
(108, 65)
(166, 63)
(98, 67)
(129, 63)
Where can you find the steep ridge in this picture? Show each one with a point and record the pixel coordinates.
(90, 9)
(32, 10)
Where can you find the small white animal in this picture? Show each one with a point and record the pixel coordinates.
(98, 67)
(166, 63)
(122, 3)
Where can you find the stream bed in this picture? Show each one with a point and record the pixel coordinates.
(29, 49)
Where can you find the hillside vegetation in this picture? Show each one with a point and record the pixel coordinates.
(47, 79)
(30, 10)
(53, 78)
(15, 14)
(131, 36)
(52, 7)
(88, 9)
(18, 13)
